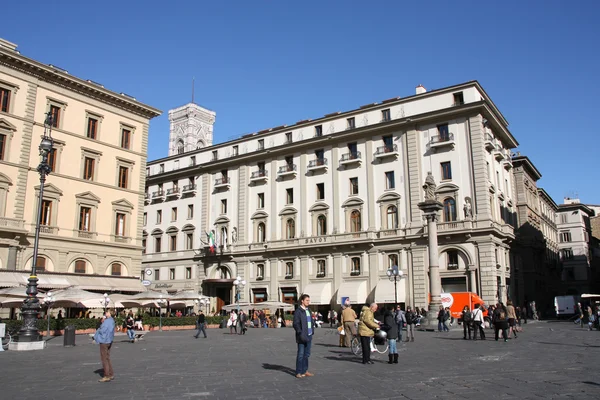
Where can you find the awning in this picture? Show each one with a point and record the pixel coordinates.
(319, 292)
(384, 291)
(356, 291)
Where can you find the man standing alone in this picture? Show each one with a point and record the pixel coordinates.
(104, 337)
(201, 325)
(304, 327)
(348, 318)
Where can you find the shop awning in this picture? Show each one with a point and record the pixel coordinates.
(319, 292)
(384, 291)
(356, 291)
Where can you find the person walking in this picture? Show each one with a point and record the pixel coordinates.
(129, 325)
(478, 322)
(400, 319)
(104, 337)
(467, 321)
(232, 322)
(512, 318)
(201, 324)
(366, 330)
(500, 322)
(391, 329)
(442, 318)
(411, 319)
(304, 327)
(348, 322)
(243, 318)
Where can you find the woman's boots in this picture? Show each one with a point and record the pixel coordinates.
(396, 358)
(393, 358)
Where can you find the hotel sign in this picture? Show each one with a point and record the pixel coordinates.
(318, 239)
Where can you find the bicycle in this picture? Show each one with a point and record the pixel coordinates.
(356, 347)
(8, 337)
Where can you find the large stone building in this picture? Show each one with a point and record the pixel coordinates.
(325, 206)
(91, 222)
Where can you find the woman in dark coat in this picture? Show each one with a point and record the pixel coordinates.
(389, 322)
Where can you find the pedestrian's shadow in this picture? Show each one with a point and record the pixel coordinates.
(449, 338)
(281, 368)
(352, 359)
(99, 372)
(328, 345)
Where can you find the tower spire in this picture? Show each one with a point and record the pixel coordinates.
(193, 84)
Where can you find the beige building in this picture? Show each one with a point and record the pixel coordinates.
(94, 197)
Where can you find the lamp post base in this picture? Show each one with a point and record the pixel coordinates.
(27, 346)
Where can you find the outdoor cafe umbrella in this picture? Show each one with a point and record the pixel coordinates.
(145, 299)
(273, 305)
(233, 307)
(76, 298)
(12, 297)
(184, 299)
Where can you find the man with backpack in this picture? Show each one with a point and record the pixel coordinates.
(467, 321)
(500, 321)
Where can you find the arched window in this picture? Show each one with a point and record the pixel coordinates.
(223, 273)
(321, 225)
(392, 260)
(115, 269)
(290, 229)
(392, 217)
(321, 271)
(223, 238)
(200, 144)
(261, 231)
(355, 266)
(449, 210)
(80, 266)
(260, 272)
(289, 270)
(355, 221)
(180, 147)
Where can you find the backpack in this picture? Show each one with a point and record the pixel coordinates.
(468, 317)
(501, 315)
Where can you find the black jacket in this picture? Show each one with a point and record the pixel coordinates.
(201, 319)
(389, 320)
(301, 325)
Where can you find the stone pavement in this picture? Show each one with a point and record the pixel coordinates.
(549, 360)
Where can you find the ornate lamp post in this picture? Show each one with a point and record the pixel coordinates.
(105, 302)
(395, 274)
(160, 302)
(239, 285)
(48, 301)
(31, 305)
(201, 302)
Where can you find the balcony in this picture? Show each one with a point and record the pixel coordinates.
(287, 170)
(189, 189)
(441, 141)
(147, 198)
(49, 230)
(12, 223)
(222, 183)
(86, 235)
(121, 239)
(454, 226)
(507, 163)
(317, 164)
(173, 193)
(158, 195)
(488, 142)
(499, 153)
(351, 158)
(259, 176)
(389, 150)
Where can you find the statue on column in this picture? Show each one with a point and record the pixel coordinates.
(234, 235)
(429, 187)
(467, 208)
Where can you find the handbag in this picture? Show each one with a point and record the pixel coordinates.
(341, 330)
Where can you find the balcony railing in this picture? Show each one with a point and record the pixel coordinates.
(446, 138)
(189, 188)
(288, 168)
(452, 267)
(261, 173)
(121, 239)
(51, 230)
(453, 225)
(318, 162)
(355, 273)
(350, 157)
(159, 193)
(222, 181)
(86, 234)
(173, 192)
(387, 150)
(12, 223)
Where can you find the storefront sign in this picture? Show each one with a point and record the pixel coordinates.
(315, 240)
(163, 285)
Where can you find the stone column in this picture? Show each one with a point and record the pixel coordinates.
(12, 258)
(435, 281)
(472, 280)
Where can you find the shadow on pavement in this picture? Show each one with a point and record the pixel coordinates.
(352, 359)
(591, 383)
(328, 345)
(281, 368)
(569, 344)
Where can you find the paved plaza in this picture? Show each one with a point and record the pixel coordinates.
(548, 360)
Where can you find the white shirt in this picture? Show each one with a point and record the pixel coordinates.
(478, 315)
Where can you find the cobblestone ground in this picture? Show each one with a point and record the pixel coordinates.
(549, 360)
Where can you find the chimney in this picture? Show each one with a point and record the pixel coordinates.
(421, 89)
(8, 45)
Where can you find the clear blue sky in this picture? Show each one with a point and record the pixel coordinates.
(261, 64)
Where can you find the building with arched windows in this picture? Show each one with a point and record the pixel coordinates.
(325, 206)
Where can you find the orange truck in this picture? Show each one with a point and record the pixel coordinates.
(458, 300)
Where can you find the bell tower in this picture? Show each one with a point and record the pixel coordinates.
(191, 128)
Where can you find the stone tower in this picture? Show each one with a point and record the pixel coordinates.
(191, 128)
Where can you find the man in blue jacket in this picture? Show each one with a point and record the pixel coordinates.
(104, 337)
(304, 327)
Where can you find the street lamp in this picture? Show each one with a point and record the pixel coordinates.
(395, 274)
(201, 302)
(160, 302)
(48, 301)
(31, 305)
(105, 302)
(239, 285)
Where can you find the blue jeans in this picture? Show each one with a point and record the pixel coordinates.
(302, 356)
(400, 326)
(131, 334)
(392, 343)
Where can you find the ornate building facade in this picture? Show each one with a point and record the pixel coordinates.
(325, 206)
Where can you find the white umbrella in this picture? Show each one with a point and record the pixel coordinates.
(18, 292)
(145, 299)
(234, 307)
(78, 298)
(273, 305)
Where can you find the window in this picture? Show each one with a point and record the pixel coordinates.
(449, 210)
(261, 200)
(452, 259)
(392, 217)
(126, 138)
(443, 132)
(565, 237)
(260, 272)
(161, 168)
(290, 229)
(458, 99)
(568, 254)
(350, 123)
(355, 267)
(123, 177)
(321, 272)
(261, 231)
(144, 246)
(392, 260)
(385, 115)
(190, 213)
(446, 170)
(192, 161)
(235, 150)
(388, 142)
(215, 155)
(159, 216)
(173, 242)
(80, 267)
(3, 141)
(223, 206)
(173, 214)
(85, 215)
(353, 186)
(189, 241)
(289, 162)
(88, 168)
(321, 225)
(289, 270)
(320, 191)
(288, 137)
(261, 144)
(318, 130)
(188, 272)
(115, 269)
(40, 264)
(390, 182)
(355, 221)
(120, 224)
(289, 196)
(145, 219)
(261, 166)
(563, 218)
(46, 212)
(5, 99)
(180, 147)
(157, 274)
(171, 273)
(55, 114)
(353, 150)
(92, 128)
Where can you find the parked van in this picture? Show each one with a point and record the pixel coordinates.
(458, 300)
(565, 305)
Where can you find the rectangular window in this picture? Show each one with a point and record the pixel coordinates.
(143, 246)
(235, 150)
(161, 168)
(385, 115)
(446, 170)
(46, 212)
(4, 99)
(125, 138)
(51, 157)
(123, 177)
(261, 200)
(188, 272)
(318, 130)
(452, 260)
(190, 214)
(289, 161)
(289, 196)
(145, 219)
(215, 155)
(173, 243)
(261, 166)
(192, 161)
(321, 269)
(159, 216)
(157, 244)
(223, 206)
(189, 241)
(388, 142)
(120, 224)
(40, 264)
(350, 123)
(115, 269)
(355, 268)
(171, 273)
(80, 267)
(568, 254)
(261, 144)
(353, 149)
(173, 214)
(289, 270)
(157, 274)
(458, 99)
(320, 156)
(563, 218)
(88, 168)
(443, 132)
(3, 141)
(55, 114)
(354, 186)
(92, 128)
(85, 215)
(320, 191)
(288, 137)
(565, 237)
(390, 181)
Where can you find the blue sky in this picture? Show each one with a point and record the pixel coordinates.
(261, 64)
